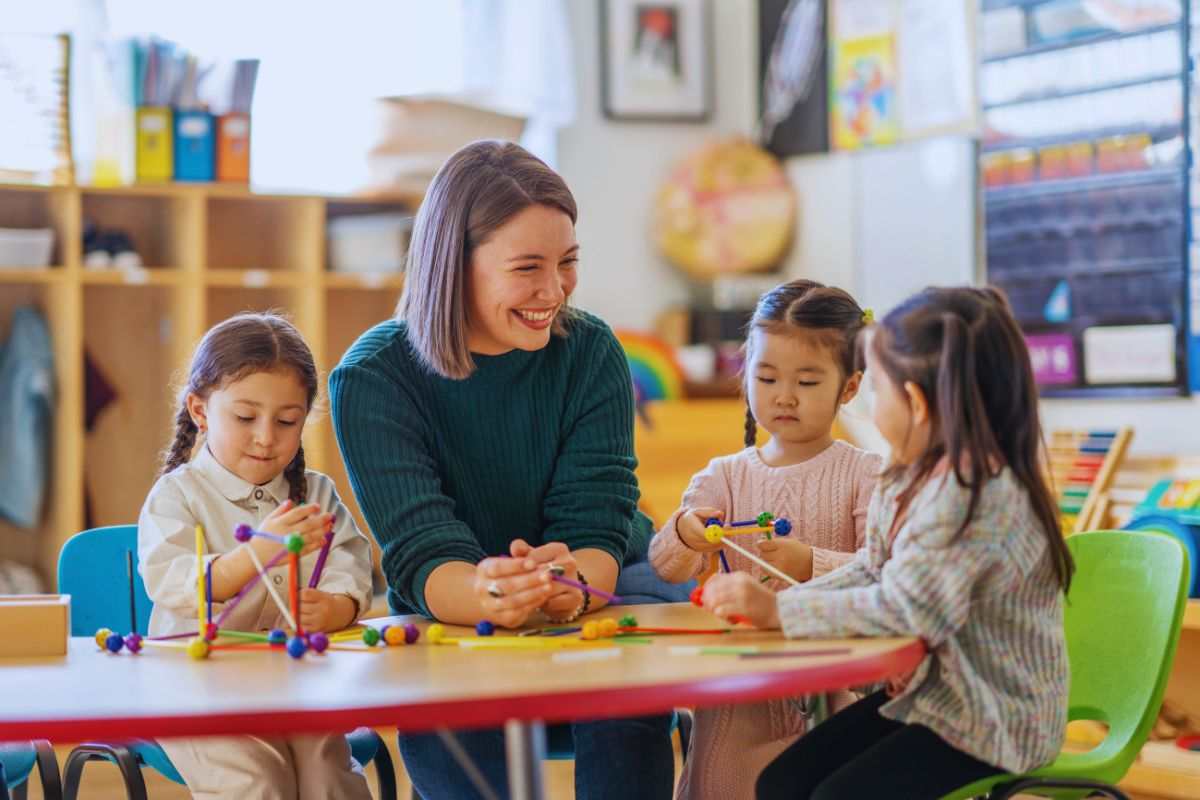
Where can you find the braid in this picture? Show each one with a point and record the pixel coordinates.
(751, 428)
(181, 447)
(297, 482)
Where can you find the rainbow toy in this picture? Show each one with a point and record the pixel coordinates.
(656, 373)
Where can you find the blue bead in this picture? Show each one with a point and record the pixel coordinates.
(296, 647)
(114, 643)
(782, 527)
(484, 628)
(276, 636)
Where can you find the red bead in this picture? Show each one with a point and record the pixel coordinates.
(696, 596)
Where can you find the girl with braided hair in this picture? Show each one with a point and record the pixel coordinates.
(236, 458)
(800, 370)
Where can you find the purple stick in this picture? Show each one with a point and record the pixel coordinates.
(237, 598)
(324, 554)
(171, 636)
(208, 589)
(612, 598)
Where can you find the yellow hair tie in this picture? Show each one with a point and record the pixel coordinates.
(868, 316)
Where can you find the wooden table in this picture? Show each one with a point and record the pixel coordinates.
(91, 694)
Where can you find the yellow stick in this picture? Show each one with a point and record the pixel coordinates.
(200, 594)
(760, 562)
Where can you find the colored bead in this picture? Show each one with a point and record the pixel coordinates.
(210, 632)
(102, 637)
(629, 620)
(608, 628)
(198, 649)
(435, 633)
(591, 630)
(394, 634)
(711, 521)
(276, 636)
(243, 532)
(370, 637)
(411, 633)
(294, 542)
(296, 647)
(133, 643)
(714, 533)
(484, 628)
(318, 642)
(764, 519)
(697, 596)
(114, 643)
(782, 527)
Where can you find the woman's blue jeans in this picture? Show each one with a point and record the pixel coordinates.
(630, 758)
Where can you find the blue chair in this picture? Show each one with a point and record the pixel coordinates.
(87, 570)
(17, 762)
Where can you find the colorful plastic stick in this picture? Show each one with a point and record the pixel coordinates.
(320, 565)
(271, 589)
(724, 562)
(237, 598)
(208, 589)
(294, 587)
(715, 534)
(583, 587)
(243, 533)
(200, 577)
(129, 576)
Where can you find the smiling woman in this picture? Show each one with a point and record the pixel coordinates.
(488, 436)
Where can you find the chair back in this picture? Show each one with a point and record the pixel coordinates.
(91, 568)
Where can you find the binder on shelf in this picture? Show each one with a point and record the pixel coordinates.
(155, 150)
(233, 147)
(195, 146)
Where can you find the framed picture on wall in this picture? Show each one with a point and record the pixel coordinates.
(655, 60)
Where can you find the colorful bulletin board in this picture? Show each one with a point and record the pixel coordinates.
(899, 70)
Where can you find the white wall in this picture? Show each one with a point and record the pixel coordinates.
(614, 167)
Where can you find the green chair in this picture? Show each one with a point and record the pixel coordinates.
(1123, 618)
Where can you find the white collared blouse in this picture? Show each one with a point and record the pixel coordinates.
(203, 492)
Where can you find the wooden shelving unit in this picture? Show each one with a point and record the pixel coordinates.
(210, 251)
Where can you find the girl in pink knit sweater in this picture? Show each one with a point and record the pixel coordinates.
(799, 372)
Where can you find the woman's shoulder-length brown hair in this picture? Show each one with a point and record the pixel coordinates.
(475, 192)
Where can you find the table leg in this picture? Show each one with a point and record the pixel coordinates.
(525, 748)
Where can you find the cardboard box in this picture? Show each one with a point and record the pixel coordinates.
(34, 624)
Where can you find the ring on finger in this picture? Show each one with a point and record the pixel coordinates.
(494, 590)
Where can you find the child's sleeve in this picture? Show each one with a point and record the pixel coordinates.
(924, 588)
(167, 548)
(864, 476)
(673, 560)
(348, 566)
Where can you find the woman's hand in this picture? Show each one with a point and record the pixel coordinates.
(690, 525)
(789, 556)
(736, 594)
(563, 600)
(510, 589)
(321, 611)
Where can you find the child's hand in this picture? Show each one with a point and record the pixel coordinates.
(736, 594)
(321, 611)
(306, 520)
(690, 524)
(789, 556)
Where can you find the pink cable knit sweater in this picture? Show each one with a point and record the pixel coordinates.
(825, 499)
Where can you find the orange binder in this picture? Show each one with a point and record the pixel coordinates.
(233, 148)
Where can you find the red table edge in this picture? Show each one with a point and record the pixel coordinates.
(423, 716)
